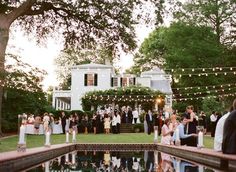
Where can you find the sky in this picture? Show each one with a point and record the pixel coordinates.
(42, 56)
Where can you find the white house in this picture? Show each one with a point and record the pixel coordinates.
(90, 77)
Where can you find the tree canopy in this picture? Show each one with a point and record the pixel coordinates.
(217, 14)
(22, 91)
(183, 47)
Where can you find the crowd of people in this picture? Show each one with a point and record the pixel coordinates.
(223, 129)
(106, 120)
(103, 121)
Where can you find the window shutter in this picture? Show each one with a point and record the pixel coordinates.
(134, 81)
(85, 79)
(112, 84)
(121, 84)
(95, 79)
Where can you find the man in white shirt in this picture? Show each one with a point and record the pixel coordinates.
(213, 119)
(219, 132)
(135, 115)
(118, 121)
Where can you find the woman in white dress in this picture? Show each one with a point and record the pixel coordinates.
(46, 120)
(107, 124)
(166, 132)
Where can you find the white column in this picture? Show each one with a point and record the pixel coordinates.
(53, 101)
(63, 105)
(56, 103)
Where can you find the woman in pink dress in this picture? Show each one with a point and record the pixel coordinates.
(166, 132)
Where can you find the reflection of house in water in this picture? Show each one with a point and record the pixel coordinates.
(90, 77)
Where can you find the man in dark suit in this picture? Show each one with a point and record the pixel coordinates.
(63, 121)
(130, 115)
(149, 119)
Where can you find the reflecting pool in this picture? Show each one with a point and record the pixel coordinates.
(86, 161)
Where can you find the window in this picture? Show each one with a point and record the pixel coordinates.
(90, 79)
(114, 82)
(124, 82)
(131, 81)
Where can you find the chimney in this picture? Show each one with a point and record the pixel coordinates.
(107, 61)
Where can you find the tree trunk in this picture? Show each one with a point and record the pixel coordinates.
(4, 36)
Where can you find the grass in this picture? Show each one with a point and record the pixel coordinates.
(10, 143)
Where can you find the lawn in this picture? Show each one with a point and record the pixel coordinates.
(10, 143)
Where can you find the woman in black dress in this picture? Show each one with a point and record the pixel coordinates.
(192, 126)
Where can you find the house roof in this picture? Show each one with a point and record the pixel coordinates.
(155, 71)
(92, 66)
(161, 85)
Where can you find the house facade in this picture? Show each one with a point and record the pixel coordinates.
(91, 77)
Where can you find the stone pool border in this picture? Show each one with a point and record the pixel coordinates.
(204, 156)
(23, 160)
(16, 161)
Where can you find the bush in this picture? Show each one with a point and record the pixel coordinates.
(9, 125)
(138, 128)
(210, 104)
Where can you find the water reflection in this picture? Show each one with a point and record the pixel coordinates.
(148, 161)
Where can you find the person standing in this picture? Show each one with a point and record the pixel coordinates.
(37, 123)
(213, 119)
(118, 121)
(135, 115)
(107, 123)
(202, 120)
(192, 125)
(166, 132)
(114, 123)
(219, 131)
(149, 120)
(94, 123)
(130, 115)
(158, 122)
(63, 122)
(229, 134)
(46, 120)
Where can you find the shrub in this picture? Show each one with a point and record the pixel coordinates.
(138, 128)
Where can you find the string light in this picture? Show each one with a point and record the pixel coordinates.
(205, 74)
(208, 86)
(202, 92)
(202, 69)
(197, 98)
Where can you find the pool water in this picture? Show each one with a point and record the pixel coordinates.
(89, 161)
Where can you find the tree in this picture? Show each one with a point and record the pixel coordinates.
(22, 92)
(217, 14)
(180, 45)
(83, 23)
(186, 46)
(211, 104)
